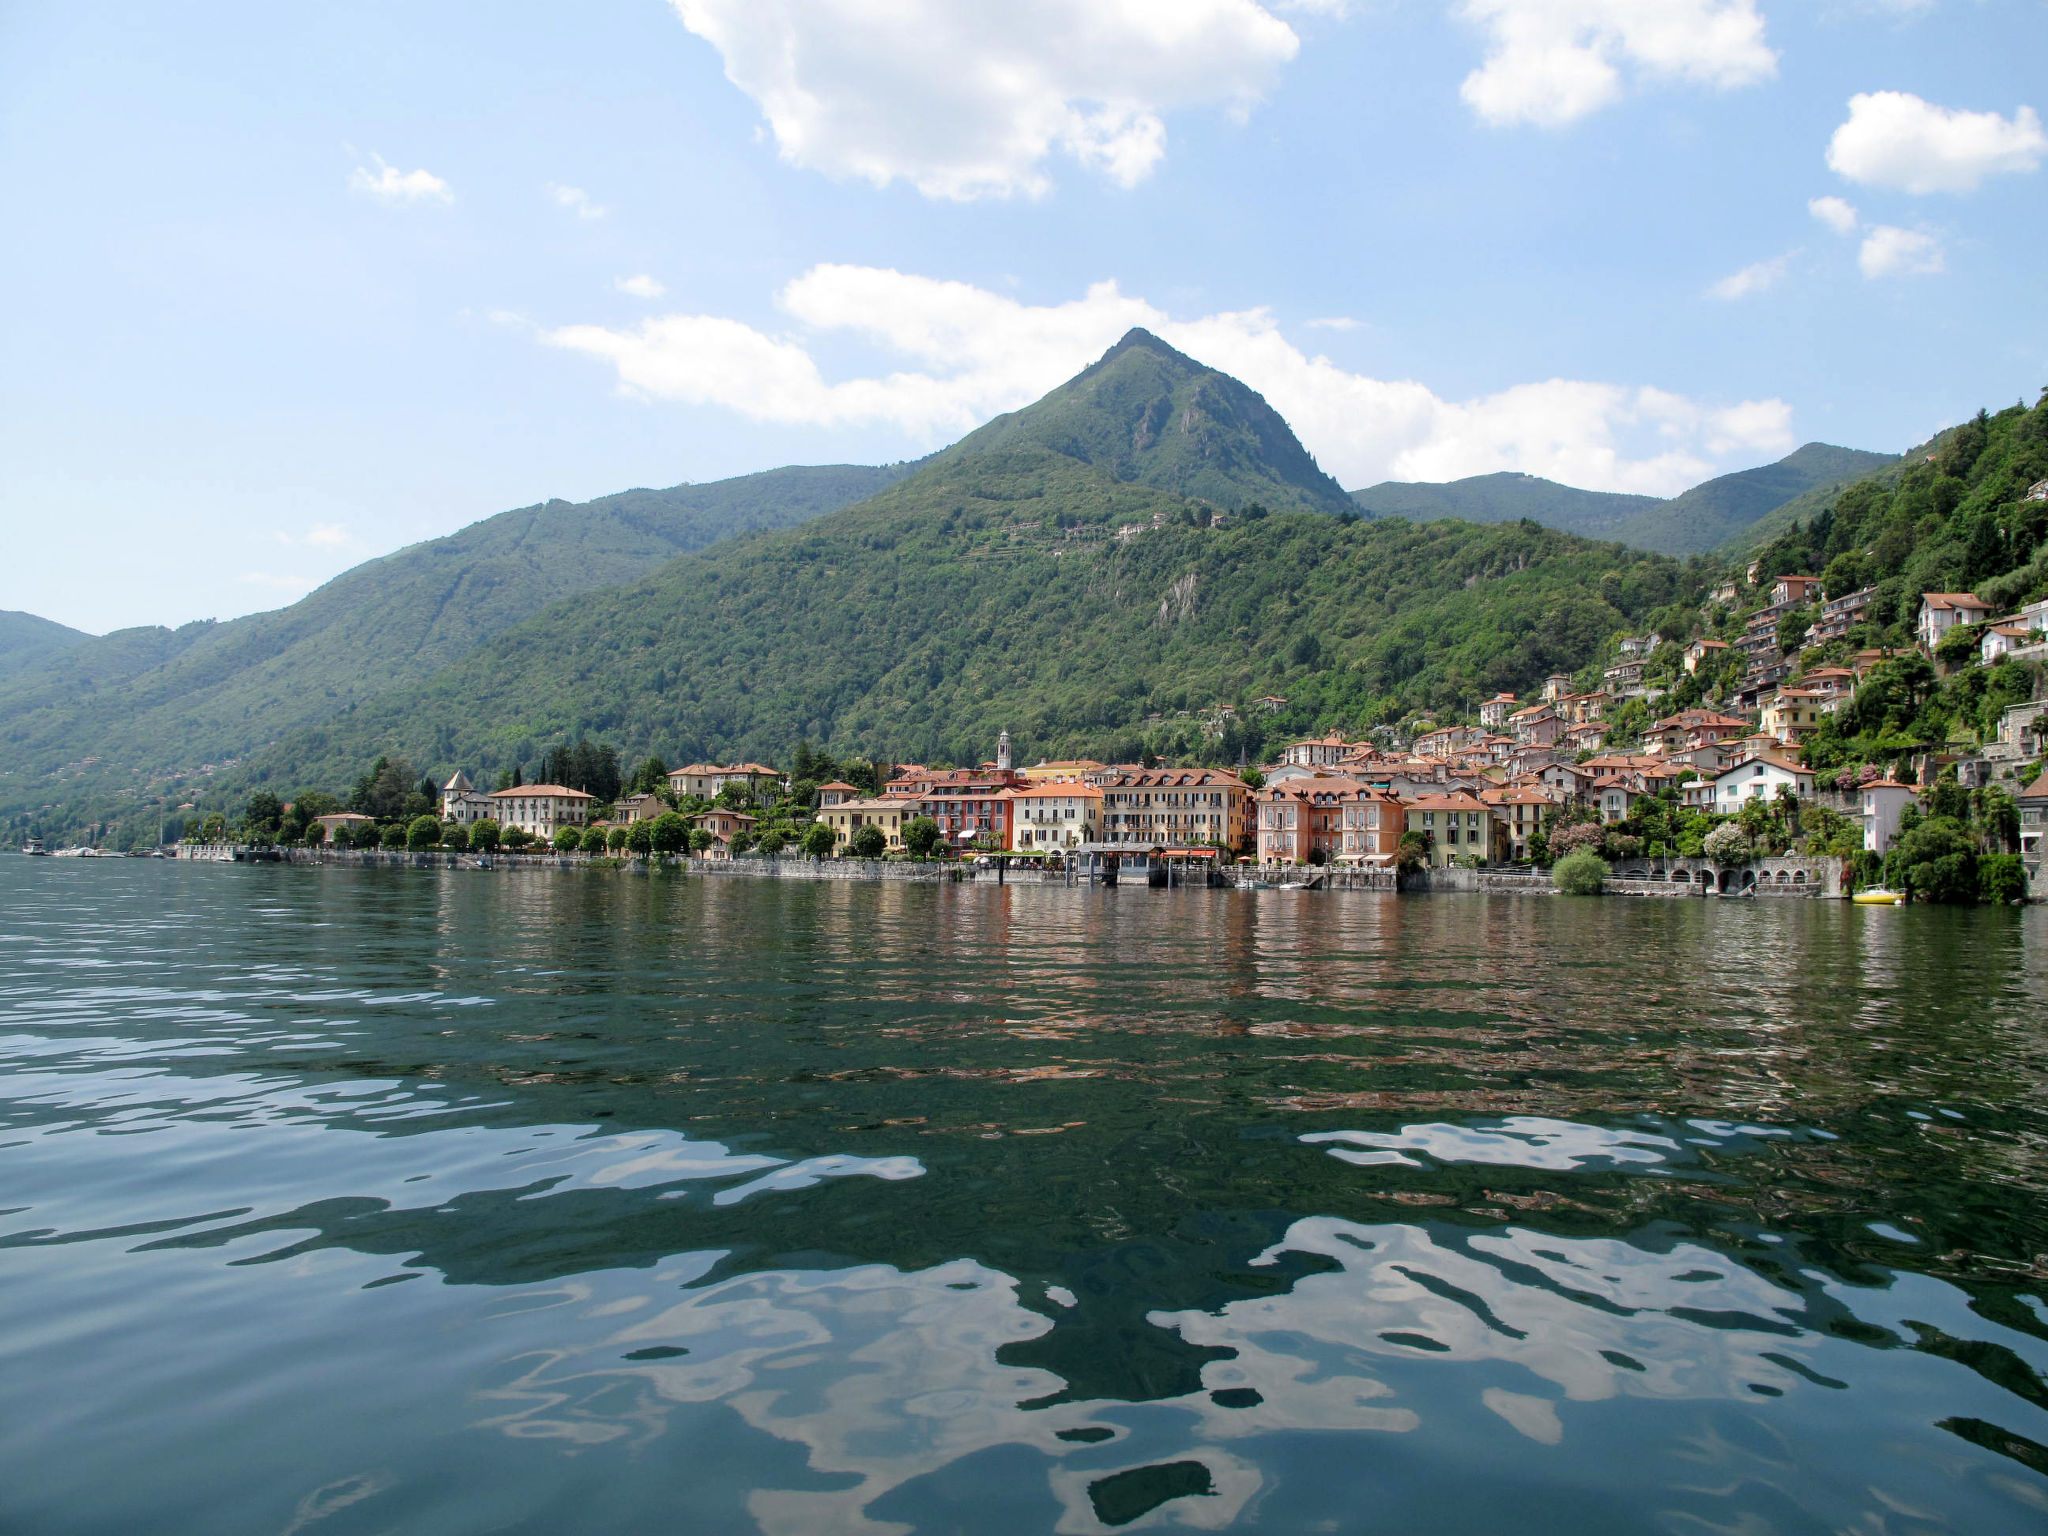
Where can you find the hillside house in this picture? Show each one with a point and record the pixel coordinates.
(1758, 778)
(1941, 612)
(1704, 652)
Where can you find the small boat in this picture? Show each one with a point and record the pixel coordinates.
(34, 848)
(1878, 896)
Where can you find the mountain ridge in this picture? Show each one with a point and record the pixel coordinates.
(28, 638)
(1016, 581)
(150, 701)
(1704, 518)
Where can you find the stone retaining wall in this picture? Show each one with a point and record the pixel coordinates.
(1775, 878)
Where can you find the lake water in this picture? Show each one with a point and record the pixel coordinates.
(359, 1201)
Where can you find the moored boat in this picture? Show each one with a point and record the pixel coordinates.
(34, 848)
(1878, 896)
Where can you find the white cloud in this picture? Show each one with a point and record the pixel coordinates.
(969, 98)
(641, 286)
(576, 200)
(1894, 139)
(1889, 251)
(964, 354)
(1837, 213)
(1760, 277)
(388, 184)
(1334, 323)
(1550, 62)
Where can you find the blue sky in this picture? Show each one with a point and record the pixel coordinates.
(290, 287)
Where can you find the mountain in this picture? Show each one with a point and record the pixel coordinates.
(1709, 515)
(113, 713)
(26, 640)
(1504, 498)
(1808, 505)
(1953, 516)
(1145, 414)
(1027, 578)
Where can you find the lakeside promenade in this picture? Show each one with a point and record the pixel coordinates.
(1674, 878)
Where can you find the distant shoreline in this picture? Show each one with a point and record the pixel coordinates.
(1668, 879)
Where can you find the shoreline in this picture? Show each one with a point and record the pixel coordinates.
(1673, 879)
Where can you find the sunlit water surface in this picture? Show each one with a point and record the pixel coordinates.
(350, 1201)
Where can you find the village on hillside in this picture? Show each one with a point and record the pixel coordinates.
(1694, 750)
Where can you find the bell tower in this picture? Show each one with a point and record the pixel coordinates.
(1003, 761)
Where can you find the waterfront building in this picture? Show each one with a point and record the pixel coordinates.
(1520, 808)
(2034, 821)
(542, 809)
(1458, 824)
(724, 826)
(1174, 807)
(328, 825)
(970, 805)
(1054, 816)
(838, 792)
(1883, 801)
(1300, 818)
(888, 812)
(461, 803)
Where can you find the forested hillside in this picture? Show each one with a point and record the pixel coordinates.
(26, 640)
(1503, 498)
(1709, 515)
(108, 715)
(1010, 584)
(1953, 519)
(1704, 518)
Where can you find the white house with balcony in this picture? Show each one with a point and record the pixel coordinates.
(1758, 778)
(1941, 612)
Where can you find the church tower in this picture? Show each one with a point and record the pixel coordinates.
(1003, 762)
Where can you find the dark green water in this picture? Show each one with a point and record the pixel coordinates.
(347, 1202)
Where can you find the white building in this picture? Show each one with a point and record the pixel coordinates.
(1941, 612)
(462, 803)
(1883, 801)
(2001, 638)
(1758, 778)
(1054, 816)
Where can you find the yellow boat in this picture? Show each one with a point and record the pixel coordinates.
(1878, 896)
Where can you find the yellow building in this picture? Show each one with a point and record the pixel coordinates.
(1054, 815)
(849, 816)
(1457, 825)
